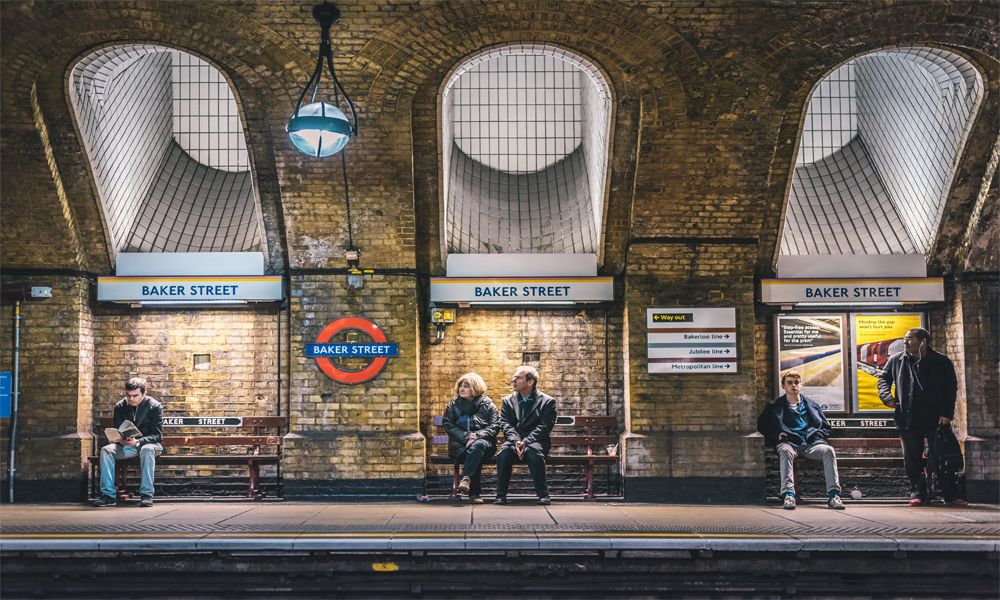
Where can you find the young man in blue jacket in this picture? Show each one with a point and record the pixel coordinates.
(795, 426)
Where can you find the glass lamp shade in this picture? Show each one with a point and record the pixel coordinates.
(319, 129)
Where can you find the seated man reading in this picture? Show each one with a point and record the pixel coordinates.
(795, 426)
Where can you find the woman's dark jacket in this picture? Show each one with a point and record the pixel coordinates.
(771, 423)
(462, 417)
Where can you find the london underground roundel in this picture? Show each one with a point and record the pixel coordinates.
(379, 350)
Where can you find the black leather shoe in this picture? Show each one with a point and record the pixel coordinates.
(500, 500)
(104, 501)
(146, 501)
(545, 501)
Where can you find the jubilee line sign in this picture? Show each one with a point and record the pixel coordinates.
(691, 340)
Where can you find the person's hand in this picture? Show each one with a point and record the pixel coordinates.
(944, 421)
(131, 442)
(471, 440)
(891, 403)
(782, 435)
(519, 447)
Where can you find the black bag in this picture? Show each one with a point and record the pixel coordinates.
(944, 456)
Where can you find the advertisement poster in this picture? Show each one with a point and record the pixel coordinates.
(813, 345)
(876, 338)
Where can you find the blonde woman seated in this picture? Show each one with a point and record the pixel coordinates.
(472, 422)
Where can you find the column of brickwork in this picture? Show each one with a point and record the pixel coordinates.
(353, 441)
(972, 339)
(56, 382)
(688, 435)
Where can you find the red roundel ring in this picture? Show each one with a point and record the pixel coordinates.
(351, 377)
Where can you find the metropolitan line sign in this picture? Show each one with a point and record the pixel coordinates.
(691, 340)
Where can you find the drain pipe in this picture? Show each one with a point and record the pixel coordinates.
(15, 394)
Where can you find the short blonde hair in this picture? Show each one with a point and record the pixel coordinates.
(474, 381)
(793, 374)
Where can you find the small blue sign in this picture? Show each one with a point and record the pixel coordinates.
(359, 350)
(5, 395)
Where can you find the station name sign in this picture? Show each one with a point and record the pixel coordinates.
(509, 290)
(202, 421)
(851, 291)
(190, 290)
(390, 349)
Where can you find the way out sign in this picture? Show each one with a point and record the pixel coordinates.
(691, 340)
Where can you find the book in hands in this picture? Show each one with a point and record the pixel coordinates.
(126, 431)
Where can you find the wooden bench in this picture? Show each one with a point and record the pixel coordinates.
(586, 447)
(259, 439)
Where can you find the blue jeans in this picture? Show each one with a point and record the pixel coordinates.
(112, 453)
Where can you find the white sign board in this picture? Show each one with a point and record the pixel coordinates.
(189, 290)
(691, 340)
(509, 290)
(851, 291)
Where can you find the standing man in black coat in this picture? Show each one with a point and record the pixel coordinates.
(923, 400)
(527, 417)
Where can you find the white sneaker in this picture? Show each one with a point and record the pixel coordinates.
(789, 502)
(836, 502)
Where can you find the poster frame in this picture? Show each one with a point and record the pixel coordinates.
(844, 348)
(855, 400)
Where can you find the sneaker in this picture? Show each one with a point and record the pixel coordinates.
(789, 502)
(957, 502)
(836, 503)
(917, 501)
(545, 501)
(463, 486)
(500, 500)
(146, 501)
(104, 501)
(476, 499)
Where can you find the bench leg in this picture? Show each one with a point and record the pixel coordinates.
(121, 481)
(454, 482)
(253, 484)
(589, 495)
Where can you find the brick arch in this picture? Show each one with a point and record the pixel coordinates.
(798, 60)
(648, 66)
(263, 69)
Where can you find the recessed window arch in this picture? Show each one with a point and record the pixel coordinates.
(525, 135)
(167, 149)
(878, 152)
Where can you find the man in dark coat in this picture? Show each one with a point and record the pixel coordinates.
(147, 415)
(920, 385)
(795, 426)
(527, 417)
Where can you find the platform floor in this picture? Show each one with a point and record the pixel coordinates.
(520, 526)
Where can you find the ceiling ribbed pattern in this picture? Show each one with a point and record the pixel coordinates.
(879, 148)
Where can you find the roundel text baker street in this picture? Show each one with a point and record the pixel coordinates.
(379, 349)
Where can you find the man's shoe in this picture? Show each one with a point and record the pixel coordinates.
(146, 501)
(500, 500)
(104, 501)
(917, 502)
(476, 499)
(463, 486)
(836, 503)
(545, 501)
(789, 502)
(957, 502)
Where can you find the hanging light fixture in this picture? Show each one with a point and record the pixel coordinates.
(322, 128)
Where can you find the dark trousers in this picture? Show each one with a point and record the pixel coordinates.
(472, 464)
(536, 464)
(913, 442)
